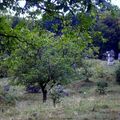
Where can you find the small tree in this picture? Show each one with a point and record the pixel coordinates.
(55, 95)
(86, 71)
(43, 58)
(44, 65)
(101, 87)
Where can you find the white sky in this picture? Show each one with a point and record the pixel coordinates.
(116, 2)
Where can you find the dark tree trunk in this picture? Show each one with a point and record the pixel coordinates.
(44, 92)
(54, 102)
(87, 75)
(87, 80)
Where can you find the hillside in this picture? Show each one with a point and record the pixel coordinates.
(83, 102)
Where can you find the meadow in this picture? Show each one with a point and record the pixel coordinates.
(83, 102)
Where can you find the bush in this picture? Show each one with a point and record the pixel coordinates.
(86, 71)
(3, 71)
(101, 87)
(7, 97)
(55, 96)
(56, 93)
(118, 75)
(33, 89)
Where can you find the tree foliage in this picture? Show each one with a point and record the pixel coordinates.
(109, 28)
(54, 6)
(41, 58)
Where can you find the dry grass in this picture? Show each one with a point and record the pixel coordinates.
(82, 104)
(74, 107)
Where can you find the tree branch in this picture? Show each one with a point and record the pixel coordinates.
(8, 36)
(16, 37)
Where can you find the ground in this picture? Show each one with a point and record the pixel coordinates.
(83, 103)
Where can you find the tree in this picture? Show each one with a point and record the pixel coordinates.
(107, 26)
(41, 65)
(49, 10)
(54, 6)
(48, 59)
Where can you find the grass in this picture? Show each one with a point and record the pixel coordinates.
(82, 104)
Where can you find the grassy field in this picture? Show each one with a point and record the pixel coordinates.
(83, 103)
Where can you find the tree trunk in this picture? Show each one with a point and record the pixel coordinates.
(87, 80)
(54, 102)
(44, 92)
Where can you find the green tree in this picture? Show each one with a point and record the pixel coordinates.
(43, 65)
(53, 6)
(108, 25)
(47, 59)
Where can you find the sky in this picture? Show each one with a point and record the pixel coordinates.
(116, 2)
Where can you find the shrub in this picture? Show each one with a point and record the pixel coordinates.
(55, 96)
(3, 71)
(118, 75)
(7, 97)
(99, 71)
(101, 87)
(86, 71)
(56, 93)
(33, 89)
